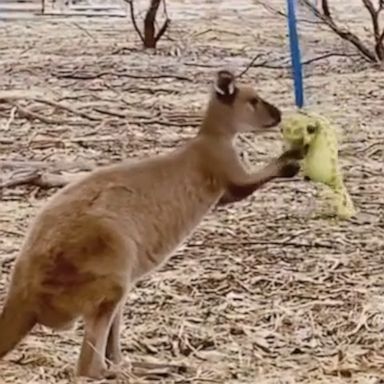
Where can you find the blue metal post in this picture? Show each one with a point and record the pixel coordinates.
(297, 69)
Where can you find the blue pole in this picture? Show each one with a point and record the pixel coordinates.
(297, 69)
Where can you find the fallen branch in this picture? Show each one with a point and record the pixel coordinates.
(252, 243)
(83, 76)
(42, 180)
(11, 96)
(157, 370)
(111, 113)
(43, 165)
(25, 112)
(67, 108)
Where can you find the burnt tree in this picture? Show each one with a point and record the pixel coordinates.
(150, 37)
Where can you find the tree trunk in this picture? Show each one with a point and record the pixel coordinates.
(149, 25)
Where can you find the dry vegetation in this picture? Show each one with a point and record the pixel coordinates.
(265, 291)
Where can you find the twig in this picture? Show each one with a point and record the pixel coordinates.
(162, 30)
(165, 26)
(327, 55)
(84, 30)
(266, 64)
(270, 8)
(245, 70)
(111, 113)
(165, 10)
(275, 11)
(11, 118)
(289, 243)
(141, 369)
(201, 65)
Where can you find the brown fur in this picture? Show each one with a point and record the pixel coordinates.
(99, 235)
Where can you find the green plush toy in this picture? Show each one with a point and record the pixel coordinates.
(316, 135)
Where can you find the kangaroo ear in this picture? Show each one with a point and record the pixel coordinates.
(225, 87)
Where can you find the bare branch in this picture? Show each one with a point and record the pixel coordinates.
(375, 13)
(344, 33)
(162, 30)
(278, 12)
(250, 65)
(325, 7)
(380, 44)
(133, 18)
(368, 4)
(166, 11)
(269, 63)
(270, 8)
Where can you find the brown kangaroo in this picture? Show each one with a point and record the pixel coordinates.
(98, 235)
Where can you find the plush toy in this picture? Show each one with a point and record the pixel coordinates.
(318, 138)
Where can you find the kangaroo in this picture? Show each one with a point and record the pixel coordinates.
(98, 235)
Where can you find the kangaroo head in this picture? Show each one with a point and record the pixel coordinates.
(239, 108)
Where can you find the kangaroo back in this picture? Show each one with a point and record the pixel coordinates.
(15, 322)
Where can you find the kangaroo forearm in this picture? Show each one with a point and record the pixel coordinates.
(236, 192)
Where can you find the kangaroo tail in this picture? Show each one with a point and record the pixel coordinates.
(15, 322)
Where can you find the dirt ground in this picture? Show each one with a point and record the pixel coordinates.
(266, 291)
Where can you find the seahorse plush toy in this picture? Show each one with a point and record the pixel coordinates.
(316, 135)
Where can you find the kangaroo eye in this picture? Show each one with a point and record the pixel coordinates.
(254, 101)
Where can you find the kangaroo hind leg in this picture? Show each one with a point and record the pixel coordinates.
(113, 351)
(91, 362)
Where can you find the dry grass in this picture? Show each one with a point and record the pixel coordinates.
(265, 291)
